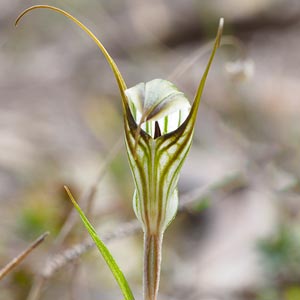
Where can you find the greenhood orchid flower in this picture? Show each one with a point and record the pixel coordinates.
(162, 144)
(159, 108)
(159, 123)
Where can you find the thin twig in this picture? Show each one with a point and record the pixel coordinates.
(60, 260)
(88, 197)
(36, 288)
(18, 259)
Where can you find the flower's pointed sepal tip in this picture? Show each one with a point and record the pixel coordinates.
(193, 114)
(220, 31)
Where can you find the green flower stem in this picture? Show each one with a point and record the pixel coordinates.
(152, 263)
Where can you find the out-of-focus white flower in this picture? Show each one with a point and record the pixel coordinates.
(240, 69)
(159, 109)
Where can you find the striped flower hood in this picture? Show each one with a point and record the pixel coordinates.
(159, 108)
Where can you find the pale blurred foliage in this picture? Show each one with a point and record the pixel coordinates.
(60, 116)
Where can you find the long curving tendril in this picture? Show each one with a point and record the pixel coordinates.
(111, 62)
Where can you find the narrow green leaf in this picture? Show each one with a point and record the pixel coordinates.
(119, 276)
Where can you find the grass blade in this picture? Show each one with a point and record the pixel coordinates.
(119, 276)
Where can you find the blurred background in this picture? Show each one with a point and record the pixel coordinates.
(61, 123)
